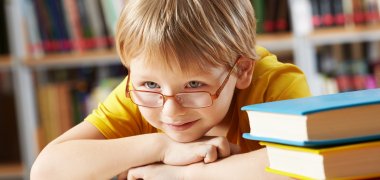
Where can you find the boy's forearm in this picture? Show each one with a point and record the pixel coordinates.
(241, 166)
(81, 159)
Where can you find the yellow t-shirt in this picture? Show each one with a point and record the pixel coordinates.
(118, 117)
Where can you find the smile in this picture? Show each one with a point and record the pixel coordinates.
(180, 127)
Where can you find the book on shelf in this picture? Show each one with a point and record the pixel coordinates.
(258, 7)
(353, 161)
(327, 16)
(338, 15)
(9, 139)
(315, 15)
(272, 16)
(4, 44)
(329, 13)
(359, 68)
(318, 120)
(69, 25)
(282, 17)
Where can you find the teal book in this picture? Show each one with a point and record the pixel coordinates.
(318, 120)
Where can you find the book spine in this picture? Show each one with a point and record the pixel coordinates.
(327, 19)
(316, 15)
(337, 6)
(359, 69)
(4, 45)
(95, 23)
(258, 6)
(34, 45)
(348, 13)
(371, 11)
(282, 19)
(110, 16)
(358, 12)
(73, 22)
(270, 15)
(107, 35)
(87, 32)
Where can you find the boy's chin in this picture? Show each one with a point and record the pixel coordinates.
(183, 138)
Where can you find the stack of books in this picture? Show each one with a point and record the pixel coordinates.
(334, 136)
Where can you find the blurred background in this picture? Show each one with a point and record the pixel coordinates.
(58, 61)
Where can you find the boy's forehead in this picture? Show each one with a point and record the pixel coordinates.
(142, 66)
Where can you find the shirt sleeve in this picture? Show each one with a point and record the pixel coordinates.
(117, 116)
(286, 82)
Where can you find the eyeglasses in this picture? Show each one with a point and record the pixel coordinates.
(197, 99)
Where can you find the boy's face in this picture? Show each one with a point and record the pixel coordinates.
(180, 123)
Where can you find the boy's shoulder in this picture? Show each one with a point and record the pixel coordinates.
(268, 65)
(273, 80)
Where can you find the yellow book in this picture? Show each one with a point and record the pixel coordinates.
(353, 161)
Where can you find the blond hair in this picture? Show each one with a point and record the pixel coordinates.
(186, 34)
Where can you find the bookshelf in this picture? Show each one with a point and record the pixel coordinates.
(279, 42)
(5, 62)
(302, 42)
(97, 57)
(345, 34)
(11, 171)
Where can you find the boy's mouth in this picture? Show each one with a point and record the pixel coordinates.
(180, 127)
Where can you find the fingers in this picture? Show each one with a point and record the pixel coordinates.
(206, 149)
(223, 146)
(218, 147)
(211, 154)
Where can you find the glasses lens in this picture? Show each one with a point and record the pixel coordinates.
(148, 99)
(194, 99)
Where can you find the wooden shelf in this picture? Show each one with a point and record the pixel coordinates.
(97, 57)
(276, 41)
(8, 171)
(337, 35)
(5, 62)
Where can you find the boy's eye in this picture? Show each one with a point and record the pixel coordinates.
(151, 85)
(194, 84)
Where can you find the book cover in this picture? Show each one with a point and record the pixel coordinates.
(317, 121)
(353, 161)
(314, 104)
(313, 143)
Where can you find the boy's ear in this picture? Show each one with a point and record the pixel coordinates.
(246, 67)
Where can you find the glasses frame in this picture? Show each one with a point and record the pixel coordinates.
(165, 97)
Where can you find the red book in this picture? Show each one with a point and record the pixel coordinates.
(316, 18)
(337, 8)
(358, 11)
(270, 15)
(282, 21)
(327, 17)
(371, 12)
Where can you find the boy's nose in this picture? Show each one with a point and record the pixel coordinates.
(172, 108)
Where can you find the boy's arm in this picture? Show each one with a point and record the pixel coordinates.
(84, 153)
(249, 165)
(241, 166)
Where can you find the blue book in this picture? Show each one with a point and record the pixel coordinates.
(317, 121)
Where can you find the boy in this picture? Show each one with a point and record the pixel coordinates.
(192, 65)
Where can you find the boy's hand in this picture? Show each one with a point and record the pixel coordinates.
(154, 171)
(206, 149)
